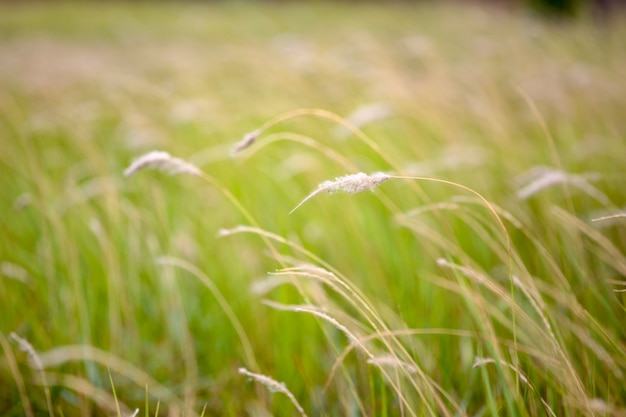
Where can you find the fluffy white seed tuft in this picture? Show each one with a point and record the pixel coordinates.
(33, 357)
(478, 362)
(273, 386)
(162, 161)
(364, 115)
(540, 178)
(247, 141)
(352, 184)
(15, 272)
(393, 362)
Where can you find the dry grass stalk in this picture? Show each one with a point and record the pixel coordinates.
(537, 303)
(79, 353)
(324, 316)
(484, 361)
(162, 161)
(13, 366)
(274, 386)
(392, 361)
(540, 178)
(36, 363)
(364, 115)
(533, 331)
(33, 357)
(266, 285)
(610, 217)
(221, 300)
(104, 398)
(252, 137)
(317, 312)
(359, 182)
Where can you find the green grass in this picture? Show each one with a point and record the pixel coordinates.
(485, 289)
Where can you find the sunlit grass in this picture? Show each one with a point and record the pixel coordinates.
(486, 277)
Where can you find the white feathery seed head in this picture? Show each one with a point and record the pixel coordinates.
(540, 178)
(25, 346)
(478, 362)
(247, 141)
(274, 386)
(352, 184)
(326, 317)
(162, 161)
(392, 361)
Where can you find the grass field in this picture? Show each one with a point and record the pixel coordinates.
(483, 276)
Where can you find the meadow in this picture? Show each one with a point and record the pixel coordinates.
(462, 252)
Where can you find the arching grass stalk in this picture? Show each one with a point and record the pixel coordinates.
(250, 138)
(610, 217)
(70, 353)
(356, 183)
(221, 300)
(484, 361)
(36, 364)
(304, 140)
(310, 143)
(15, 371)
(274, 386)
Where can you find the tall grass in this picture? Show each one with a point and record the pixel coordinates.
(478, 267)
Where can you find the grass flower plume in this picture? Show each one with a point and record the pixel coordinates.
(162, 161)
(352, 184)
(274, 386)
(247, 141)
